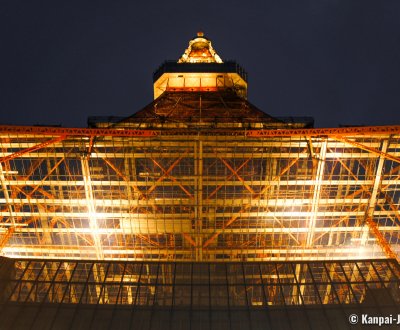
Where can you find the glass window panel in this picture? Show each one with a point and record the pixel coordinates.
(219, 296)
(163, 296)
(235, 273)
(183, 273)
(200, 296)
(182, 295)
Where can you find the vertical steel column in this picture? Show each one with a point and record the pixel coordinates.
(317, 193)
(10, 231)
(378, 176)
(369, 214)
(198, 154)
(91, 208)
(6, 195)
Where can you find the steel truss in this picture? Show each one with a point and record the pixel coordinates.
(232, 195)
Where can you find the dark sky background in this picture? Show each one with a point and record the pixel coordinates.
(337, 61)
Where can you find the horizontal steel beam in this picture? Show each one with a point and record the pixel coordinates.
(206, 155)
(177, 229)
(121, 202)
(81, 252)
(282, 215)
(190, 182)
(41, 130)
(348, 131)
(76, 142)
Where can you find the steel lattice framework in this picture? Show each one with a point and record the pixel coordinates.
(200, 194)
(198, 211)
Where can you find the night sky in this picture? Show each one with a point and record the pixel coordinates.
(337, 61)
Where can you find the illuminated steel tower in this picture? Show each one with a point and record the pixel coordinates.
(198, 211)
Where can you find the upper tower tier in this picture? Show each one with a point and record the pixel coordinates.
(200, 50)
(200, 69)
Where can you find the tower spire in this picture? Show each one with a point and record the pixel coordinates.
(200, 50)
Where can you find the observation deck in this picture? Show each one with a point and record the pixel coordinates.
(200, 69)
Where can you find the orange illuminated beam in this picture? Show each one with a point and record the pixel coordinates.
(381, 240)
(172, 178)
(340, 131)
(237, 175)
(166, 173)
(123, 177)
(6, 237)
(41, 130)
(227, 179)
(46, 176)
(57, 131)
(246, 207)
(142, 196)
(370, 149)
(31, 149)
